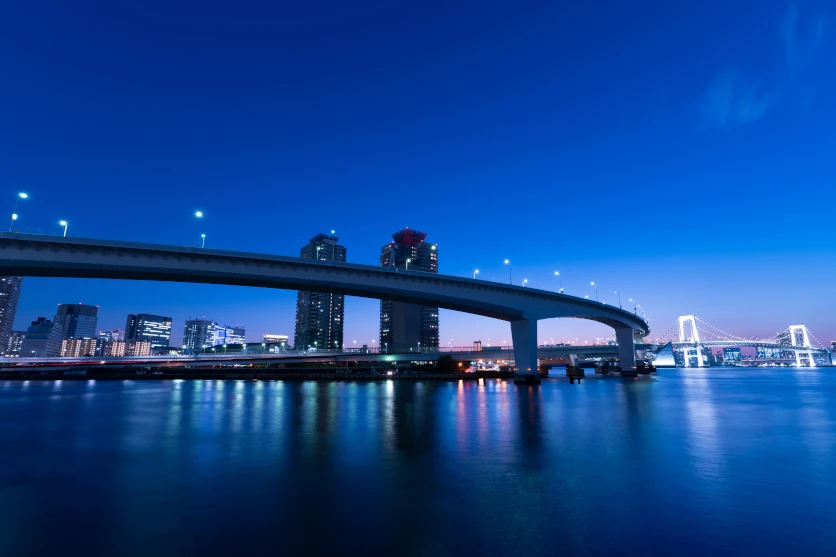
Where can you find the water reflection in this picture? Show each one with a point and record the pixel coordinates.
(416, 468)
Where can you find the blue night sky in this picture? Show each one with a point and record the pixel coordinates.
(682, 153)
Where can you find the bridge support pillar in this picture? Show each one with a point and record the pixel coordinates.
(626, 351)
(524, 336)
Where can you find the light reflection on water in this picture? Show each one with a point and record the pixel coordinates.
(687, 463)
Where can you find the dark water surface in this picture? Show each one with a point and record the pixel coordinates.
(689, 462)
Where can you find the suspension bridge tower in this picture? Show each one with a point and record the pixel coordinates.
(688, 324)
(800, 341)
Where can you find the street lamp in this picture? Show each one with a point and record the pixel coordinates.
(560, 281)
(20, 196)
(632, 301)
(65, 224)
(596, 289)
(508, 262)
(619, 298)
(408, 261)
(203, 241)
(524, 281)
(476, 272)
(197, 216)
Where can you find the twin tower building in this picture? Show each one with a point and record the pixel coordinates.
(320, 317)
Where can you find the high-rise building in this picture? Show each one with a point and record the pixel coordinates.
(77, 320)
(235, 335)
(155, 329)
(76, 347)
(199, 333)
(405, 326)
(15, 343)
(43, 339)
(9, 296)
(319, 316)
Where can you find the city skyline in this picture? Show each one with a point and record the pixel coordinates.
(508, 135)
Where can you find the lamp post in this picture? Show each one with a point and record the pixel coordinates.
(632, 301)
(524, 281)
(619, 298)
(508, 262)
(596, 289)
(476, 272)
(560, 281)
(408, 261)
(203, 241)
(65, 224)
(197, 216)
(20, 195)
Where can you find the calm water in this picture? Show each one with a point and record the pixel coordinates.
(721, 461)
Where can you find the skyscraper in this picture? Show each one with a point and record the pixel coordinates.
(406, 326)
(77, 320)
(199, 333)
(144, 327)
(319, 317)
(15, 344)
(9, 296)
(43, 339)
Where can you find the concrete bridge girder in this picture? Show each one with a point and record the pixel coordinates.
(51, 256)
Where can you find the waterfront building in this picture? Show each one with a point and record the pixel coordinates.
(275, 339)
(77, 320)
(764, 353)
(113, 348)
(235, 335)
(731, 355)
(319, 316)
(43, 339)
(9, 296)
(142, 327)
(406, 326)
(137, 348)
(15, 344)
(77, 347)
(200, 333)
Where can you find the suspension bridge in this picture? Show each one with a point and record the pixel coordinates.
(689, 341)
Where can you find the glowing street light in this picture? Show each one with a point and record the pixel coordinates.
(596, 289)
(560, 281)
(476, 272)
(632, 301)
(619, 298)
(524, 281)
(408, 261)
(65, 224)
(203, 240)
(14, 216)
(197, 216)
(508, 262)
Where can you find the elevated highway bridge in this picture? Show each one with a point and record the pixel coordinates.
(52, 256)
